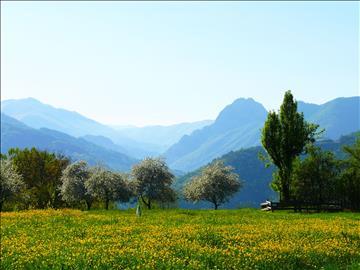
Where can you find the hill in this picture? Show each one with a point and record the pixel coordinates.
(17, 134)
(255, 176)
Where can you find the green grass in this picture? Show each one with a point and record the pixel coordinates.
(179, 239)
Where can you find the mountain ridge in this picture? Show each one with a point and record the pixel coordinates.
(16, 134)
(339, 116)
(225, 134)
(187, 146)
(36, 114)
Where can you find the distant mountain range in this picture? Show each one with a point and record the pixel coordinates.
(16, 134)
(339, 116)
(164, 136)
(39, 115)
(136, 142)
(239, 126)
(255, 176)
(185, 146)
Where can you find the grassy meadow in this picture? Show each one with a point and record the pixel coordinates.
(179, 239)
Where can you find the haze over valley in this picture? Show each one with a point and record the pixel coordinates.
(234, 136)
(186, 146)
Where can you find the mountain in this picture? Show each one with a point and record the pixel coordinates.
(104, 142)
(237, 126)
(39, 115)
(255, 176)
(339, 116)
(133, 141)
(163, 136)
(16, 134)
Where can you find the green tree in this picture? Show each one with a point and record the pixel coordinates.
(73, 188)
(216, 184)
(349, 184)
(167, 198)
(41, 172)
(107, 186)
(11, 182)
(315, 177)
(152, 181)
(284, 136)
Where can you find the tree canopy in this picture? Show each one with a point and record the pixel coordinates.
(349, 184)
(315, 177)
(10, 181)
(41, 172)
(216, 184)
(152, 181)
(107, 186)
(73, 188)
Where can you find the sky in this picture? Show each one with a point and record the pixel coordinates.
(145, 63)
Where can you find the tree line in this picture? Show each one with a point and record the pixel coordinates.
(32, 179)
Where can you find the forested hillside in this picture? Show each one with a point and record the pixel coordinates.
(255, 176)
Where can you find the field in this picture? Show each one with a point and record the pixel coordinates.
(179, 239)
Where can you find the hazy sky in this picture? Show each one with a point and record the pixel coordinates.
(168, 62)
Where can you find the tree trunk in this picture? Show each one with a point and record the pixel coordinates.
(148, 204)
(215, 206)
(107, 204)
(88, 205)
(285, 193)
(285, 186)
(1, 204)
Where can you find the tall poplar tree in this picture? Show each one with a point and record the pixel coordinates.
(284, 137)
